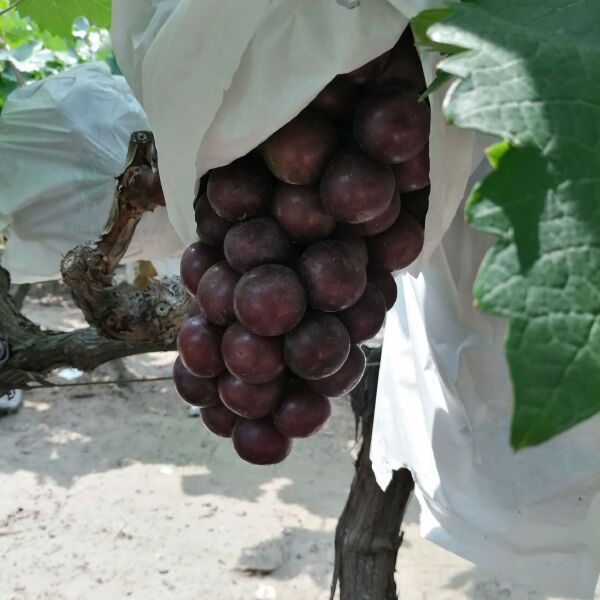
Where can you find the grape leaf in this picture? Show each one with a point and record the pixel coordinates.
(57, 16)
(530, 74)
(423, 21)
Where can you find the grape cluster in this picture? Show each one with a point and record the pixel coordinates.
(297, 244)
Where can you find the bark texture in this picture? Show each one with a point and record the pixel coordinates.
(28, 353)
(124, 312)
(368, 536)
(123, 319)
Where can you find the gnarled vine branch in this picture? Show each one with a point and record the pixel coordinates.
(124, 321)
(123, 312)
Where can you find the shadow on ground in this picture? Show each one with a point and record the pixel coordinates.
(478, 584)
(66, 434)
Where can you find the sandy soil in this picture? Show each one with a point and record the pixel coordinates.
(114, 492)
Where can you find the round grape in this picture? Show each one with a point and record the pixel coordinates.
(346, 379)
(318, 347)
(300, 213)
(302, 411)
(397, 247)
(252, 358)
(334, 277)
(199, 344)
(218, 420)
(240, 190)
(338, 99)
(210, 227)
(215, 293)
(392, 125)
(256, 242)
(298, 152)
(259, 442)
(195, 261)
(356, 245)
(364, 319)
(270, 300)
(197, 391)
(355, 188)
(386, 284)
(380, 223)
(251, 401)
(413, 174)
(417, 204)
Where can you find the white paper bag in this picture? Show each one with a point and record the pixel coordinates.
(444, 409)
(63, 140)
(217, 77)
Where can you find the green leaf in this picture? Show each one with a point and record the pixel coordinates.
(53, 42)
(58, 16)
(496, 152)
(423, 21)
(530, 74)
(440, 80)
(6, 87)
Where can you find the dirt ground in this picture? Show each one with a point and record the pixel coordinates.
(115, 492)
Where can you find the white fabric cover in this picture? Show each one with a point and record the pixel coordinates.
(63, 140)
(443, 410)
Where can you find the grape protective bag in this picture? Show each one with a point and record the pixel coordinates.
(532, 516)
(63, 140)
(218, 77)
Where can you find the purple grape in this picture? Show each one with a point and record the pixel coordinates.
(197, 391)
(355, 188)
(346, 379)
(256, 242)
(215, 293)
(199, 345)
(270, 300)
(334, 277)
(392, 125)
(259, 442)
(240, 190)
(302, 411)
(252, 358)
(218, 419)
(195, 261)
(298, 152)
(364, 319)
(318, 347)
(251, 401)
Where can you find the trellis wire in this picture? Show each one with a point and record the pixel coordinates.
(120, 381)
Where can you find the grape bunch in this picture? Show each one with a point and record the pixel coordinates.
(297, 243)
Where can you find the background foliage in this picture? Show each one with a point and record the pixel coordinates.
(32, 49)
